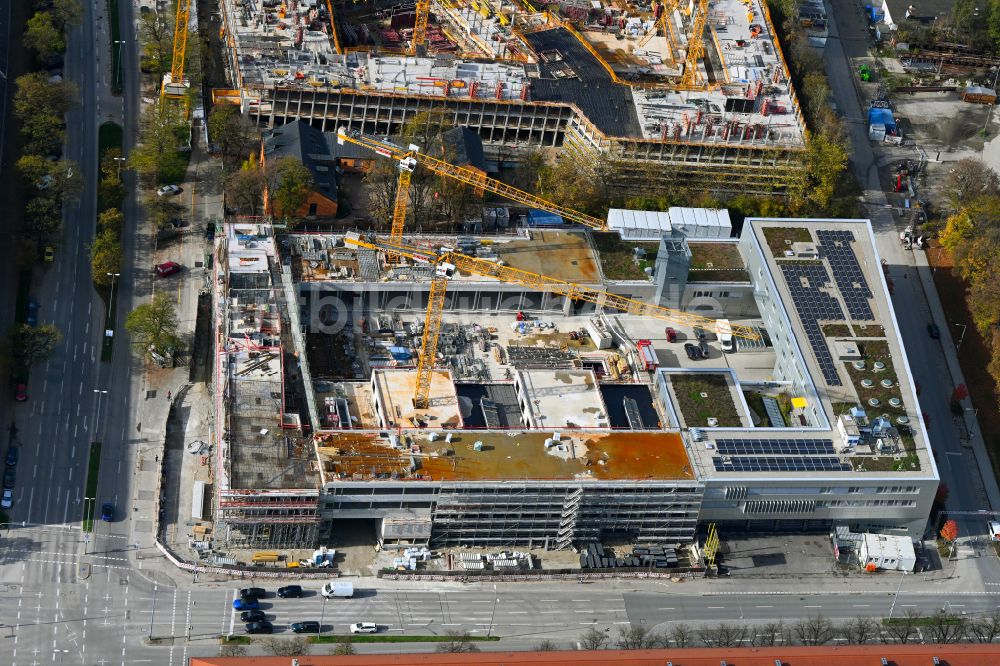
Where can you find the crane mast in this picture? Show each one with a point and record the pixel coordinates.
(174, 85)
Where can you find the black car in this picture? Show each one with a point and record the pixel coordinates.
(305, 627)
(262, 627)
(9, 477)
(290, 591)
(253, 616)
(253, 593)
(703, 347)
(12, 456)
(933, 331)
(692, 351)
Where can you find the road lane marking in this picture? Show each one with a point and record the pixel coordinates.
(763, 606)
(862, 605)
(715, 607)
(812, 606)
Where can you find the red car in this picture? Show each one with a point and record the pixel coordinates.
(21, 392)
(168, 268)
(671, 335)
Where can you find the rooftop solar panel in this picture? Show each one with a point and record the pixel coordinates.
(835, 246)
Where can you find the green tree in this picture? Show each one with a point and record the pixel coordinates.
(232, 133)
(289, 184)
(44, 134)
(161, 137)
(154, 325)
(44, 218)
(43, 36)
(28, 345)
(59, 179)
(826, 164)
(156, 36)
(66, 12)
(106, 257)
(112, 220)
(37, 95)
(160, 211)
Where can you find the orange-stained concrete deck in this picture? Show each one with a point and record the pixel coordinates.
(562, 255)
(506, 456)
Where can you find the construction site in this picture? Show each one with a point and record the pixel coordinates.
(527, 391)
(668, 91)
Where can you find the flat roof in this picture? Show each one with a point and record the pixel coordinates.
(828, 278)
(503, 456)
(563, 398)
(396, 389)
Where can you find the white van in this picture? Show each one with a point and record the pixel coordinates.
(338, 589)
(725, 331)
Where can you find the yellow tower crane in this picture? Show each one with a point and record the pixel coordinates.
(175, 86)
(691, 78)
(420, 25)
(448, 263)
(468, 176)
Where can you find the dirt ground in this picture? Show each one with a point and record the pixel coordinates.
(975, 349)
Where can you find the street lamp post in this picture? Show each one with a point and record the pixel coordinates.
(152, 608)
(493, 615)
(119, 160)
(896, 596)
(97, 417)
(961, 338)
(322, 614)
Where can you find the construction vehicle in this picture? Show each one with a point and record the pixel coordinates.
(468, 176)
(175, 86)
(448, 263)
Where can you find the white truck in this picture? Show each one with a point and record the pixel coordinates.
(725, 331)
(338, 590)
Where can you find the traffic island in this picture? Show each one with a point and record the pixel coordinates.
(90, 492)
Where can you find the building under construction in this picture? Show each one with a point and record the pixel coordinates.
(266, 485)
(697, 92)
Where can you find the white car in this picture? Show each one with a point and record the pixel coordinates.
(168, 190)
(364, 628)
(8, 499)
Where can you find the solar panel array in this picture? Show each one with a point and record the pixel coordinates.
(774, 446)
(854, 290)
(814, 306)
(780, 464)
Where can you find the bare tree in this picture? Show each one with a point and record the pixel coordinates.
(286, 647)
(901, 629)
(860, 630)
(457, 643)
(636, 637)
(681, 635)
(814, 631)
(947, 628)
(232, 650)
(767, 635)
(724, 635)
(546, 646)
(594, 639)
(969, 179)
(344, 647)
(986, 629)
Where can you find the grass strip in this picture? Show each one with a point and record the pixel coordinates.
(90, 492)
(236, 640)
(921, 621)
(116, 48)
(391, 638)
(109, 135)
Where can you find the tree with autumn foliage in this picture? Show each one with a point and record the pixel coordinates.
(949, 531)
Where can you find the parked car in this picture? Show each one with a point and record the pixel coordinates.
(364, 628)
(703, 347)
(245, 604)
(253, 593)
(168, 190)
(693, 353)
(12, 453)
(107, 512)
(309, 627)
(290, 591)
(253, 616)
(31, 318)
(167, 268)
(933, 331)
(262, 627)
(671, 334)
(210, 231)
(8, 499)
(50, 254)
(9, 477)
(21, 392)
